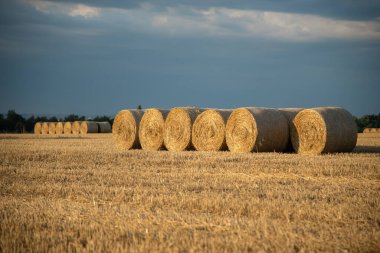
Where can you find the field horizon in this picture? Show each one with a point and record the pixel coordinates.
(80, 193)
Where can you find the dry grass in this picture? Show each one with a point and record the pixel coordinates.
(58, 194)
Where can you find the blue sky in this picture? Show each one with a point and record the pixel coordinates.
(98, 57)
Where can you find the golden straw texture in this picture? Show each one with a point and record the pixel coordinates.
(37, 128)
(125, 129)
(59, 128)
(87, 127)
(178, 126)
(209, 130)
(324, 130)
(75, 127)
(151, 131)
(104, 127)
(67, 128)
(45, 128)
(290, 114)
(256, 129)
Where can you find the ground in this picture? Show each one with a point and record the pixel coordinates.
(81, 194)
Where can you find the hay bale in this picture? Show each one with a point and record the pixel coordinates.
(59, 128)
(377, 130)
(290, 114)
(75, 127)
(52, 127)
(45, 128)
(104, 127)
(324, 130)
(373, 130)
(151, 130)
(87, 127)
(209, 130)
(178, 126)
(37, 128)
(67, 128)
(366, 130)
(256, 129)
(125, 129)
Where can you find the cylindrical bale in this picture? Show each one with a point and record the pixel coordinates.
(373, 130)
(87, 127)
(125, 129)
(104, 127)
(45, 128)
(366, 130)
(377, 130)
(52, 127)
(151, 130)
(75, 127)
(256, 129)
(59, 128)
(67, 128)
(178, 126)
(290, 114)
(324, 130)
(209, 130)
(37, 128)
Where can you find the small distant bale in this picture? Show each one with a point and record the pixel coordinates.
(37, 128)
(125, 129)
(151, 130)
(366, 130)
(178, 127)
(324, 130)
(209, 130)
(373, 130)
(87, 127)
(45, 128)
(290, 114)
(75, 127)
(104, 127)
(52, 127)
(59, 128)
(67, 127)
(256, 129)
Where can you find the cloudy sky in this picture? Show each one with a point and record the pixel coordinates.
(98, 57)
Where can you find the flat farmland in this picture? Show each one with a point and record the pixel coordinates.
(77, 194)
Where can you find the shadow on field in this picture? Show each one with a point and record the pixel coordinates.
(367, 149)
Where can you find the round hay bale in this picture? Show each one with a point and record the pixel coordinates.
(178, 125)
(151, 131)
(67, 128)
(324, 130)
(290, 114)
(87, 127)
(125, 129)
(373, 130)
(45, 128)
(256, 129)
(104, 127)
(75, 127)
(377, 130)
(52, 127)
(366, 130)
(59, 128)
(37, 128)
(209, 130)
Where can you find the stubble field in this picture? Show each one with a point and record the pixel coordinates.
(63, 194)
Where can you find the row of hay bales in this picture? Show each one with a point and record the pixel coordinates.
(371, 130)
(76, 127)
(253, 129)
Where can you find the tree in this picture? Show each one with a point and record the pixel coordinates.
(2, 123)
(15, 122)
(139, 107)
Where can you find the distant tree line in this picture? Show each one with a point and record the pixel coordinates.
(15, 123)
(370, 121)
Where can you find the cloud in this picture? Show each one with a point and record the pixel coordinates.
(84, 11)
(181, 20)
(69, 9)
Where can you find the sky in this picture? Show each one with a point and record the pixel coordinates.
(98, 57)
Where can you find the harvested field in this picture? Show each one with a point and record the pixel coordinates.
(80, 193)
